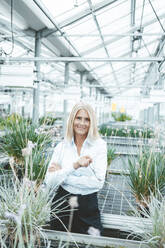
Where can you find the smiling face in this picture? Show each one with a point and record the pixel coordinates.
(81, 123)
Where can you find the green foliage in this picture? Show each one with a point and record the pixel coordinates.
(152, 231)
(18, 133)
(39, 163)
(25, 210)
(6, 122)
(48, 120)
(111, 155)
(2, 123)
(121, 116)
(126, 132)
(147, 174)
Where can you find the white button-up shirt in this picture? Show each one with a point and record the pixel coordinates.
(84, 180)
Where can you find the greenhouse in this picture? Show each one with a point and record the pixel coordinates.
(82, 133)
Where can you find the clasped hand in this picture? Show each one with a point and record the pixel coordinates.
(83, 161)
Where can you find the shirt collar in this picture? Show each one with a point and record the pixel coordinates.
(87, 141)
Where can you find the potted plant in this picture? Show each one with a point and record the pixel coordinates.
(111, 155)
(25, 207)
(147, 175)
(154, 232)
(24, 212)
(18, 133)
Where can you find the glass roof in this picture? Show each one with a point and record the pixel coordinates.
(96, 29)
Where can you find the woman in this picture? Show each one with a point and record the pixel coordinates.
(78, 165)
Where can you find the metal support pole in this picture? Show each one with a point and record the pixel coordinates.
(23, 107)
(44, 105)
(36, 89)
(81, 59)
(90, 90)
(65, 104)
(96, 107)
(13, 104)
(150, 116)
(145, 116)
(158, 111)
(101, 108)
(109, 112)
(9, 109)
(81, 84)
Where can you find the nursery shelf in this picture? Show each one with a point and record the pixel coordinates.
(126, 153)
(83, 240)
(125, 223)
(118, 172)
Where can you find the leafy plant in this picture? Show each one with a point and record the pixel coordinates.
(121, 116)
(147, 174)
(111, 155)
(154, 232)
(47, 120)
(2, 122)
(17, 135)
(24, 212)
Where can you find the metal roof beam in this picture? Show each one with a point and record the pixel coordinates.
(139, 34)
(157, 52)
(80, 16)
(133, 29)
(61, 46)
(133, 8)
(125, 54)
(103, 42)
(57, 43)
(81, 59)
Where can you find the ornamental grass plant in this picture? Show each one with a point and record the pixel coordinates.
(23, 213)
(154, 232)
(25, 207)
(18, 133)
(147, 174)
(111, 155)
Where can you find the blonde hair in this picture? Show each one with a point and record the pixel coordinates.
(93, 130)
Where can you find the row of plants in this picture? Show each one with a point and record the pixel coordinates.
(45, 120)
(48, 120)
(126, 132)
